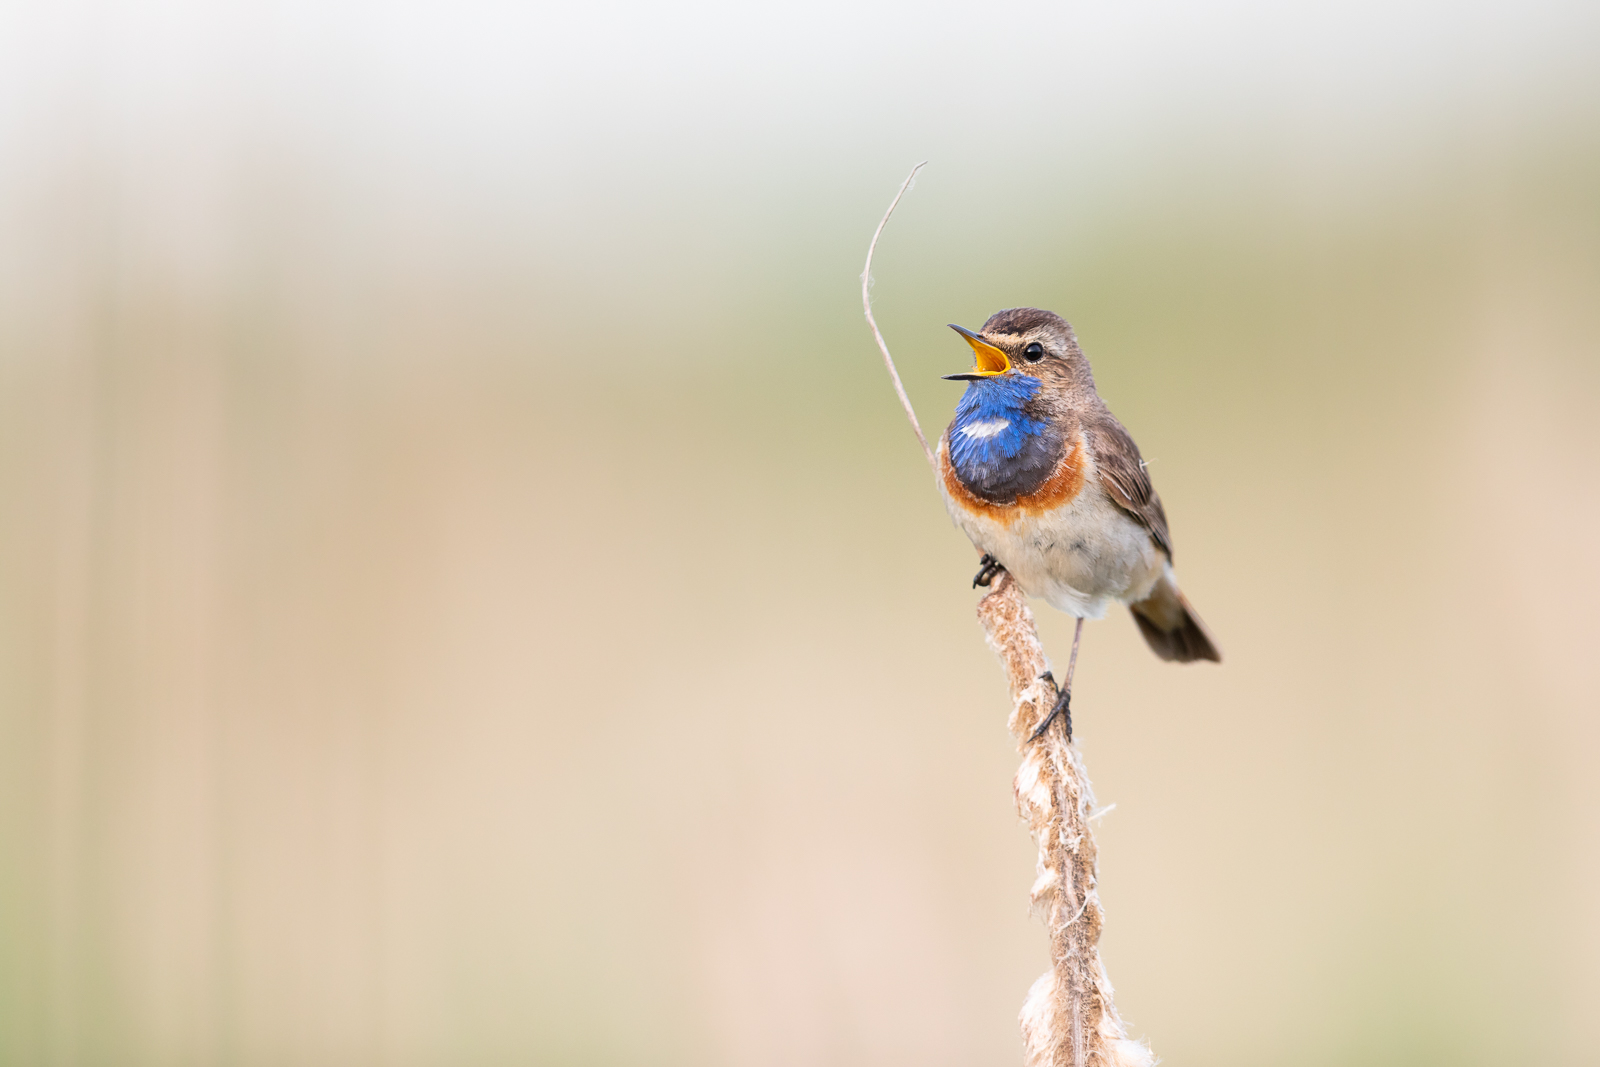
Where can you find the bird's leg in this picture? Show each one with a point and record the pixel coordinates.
(988, 567)
(1063, 705)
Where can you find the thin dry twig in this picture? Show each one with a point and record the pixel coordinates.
(866, 305)
(1068, 1019)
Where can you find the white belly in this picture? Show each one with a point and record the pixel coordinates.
(1078, 558)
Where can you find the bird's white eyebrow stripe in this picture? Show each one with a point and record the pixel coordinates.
(985, 428)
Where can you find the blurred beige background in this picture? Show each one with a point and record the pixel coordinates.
(468, 595)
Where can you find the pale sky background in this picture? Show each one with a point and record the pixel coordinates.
(593, 115)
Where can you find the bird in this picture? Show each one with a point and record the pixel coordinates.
(1051, 488)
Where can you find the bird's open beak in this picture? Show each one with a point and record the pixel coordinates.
(991, 360)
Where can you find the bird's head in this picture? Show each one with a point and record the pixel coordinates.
(1025, 343)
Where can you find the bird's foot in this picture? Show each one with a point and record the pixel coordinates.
(1063, 708)
(988, 567)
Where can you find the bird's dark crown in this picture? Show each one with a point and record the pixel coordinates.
(1019, 321)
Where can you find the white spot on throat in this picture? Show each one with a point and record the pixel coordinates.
(985, 427)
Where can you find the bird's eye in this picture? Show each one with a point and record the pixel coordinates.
(1033, 353)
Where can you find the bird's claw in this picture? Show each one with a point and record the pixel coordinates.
(988, 567)
(1063, 708)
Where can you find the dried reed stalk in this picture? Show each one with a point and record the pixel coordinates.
(1068, 1019)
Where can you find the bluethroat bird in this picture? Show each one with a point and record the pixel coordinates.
(1048, 485)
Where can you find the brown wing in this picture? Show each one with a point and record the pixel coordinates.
(1123, 476)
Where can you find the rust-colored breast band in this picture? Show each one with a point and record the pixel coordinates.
(1063, 487)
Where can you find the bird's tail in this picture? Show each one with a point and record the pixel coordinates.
(1171, 626)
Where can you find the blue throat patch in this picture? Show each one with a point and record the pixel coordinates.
(977, 438)
(998, 451)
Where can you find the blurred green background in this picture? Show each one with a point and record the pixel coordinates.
(468, 594)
